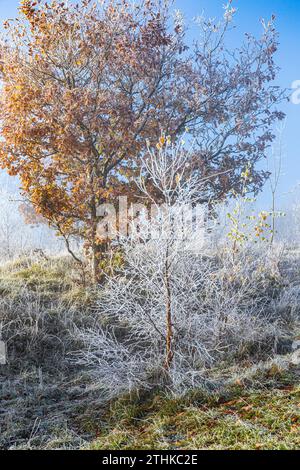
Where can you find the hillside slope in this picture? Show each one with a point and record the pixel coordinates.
(47, 402)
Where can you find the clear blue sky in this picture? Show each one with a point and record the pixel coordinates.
(288, 57)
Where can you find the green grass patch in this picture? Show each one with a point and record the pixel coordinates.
(261, 419)
(53, 278)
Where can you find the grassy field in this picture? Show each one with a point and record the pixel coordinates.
(262, 420)
(45, 403)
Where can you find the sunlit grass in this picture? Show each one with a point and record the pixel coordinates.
(253, 420)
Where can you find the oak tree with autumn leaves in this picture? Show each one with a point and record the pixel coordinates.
(85, 85)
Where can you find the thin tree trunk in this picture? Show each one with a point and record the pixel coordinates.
(169, 326)
(99, 252)
(273, 218)
(95, 265)
(96, 249)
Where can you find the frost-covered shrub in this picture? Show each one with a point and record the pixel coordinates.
(177, 307)
(222, 309)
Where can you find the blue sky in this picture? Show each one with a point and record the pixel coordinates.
(288, 58)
